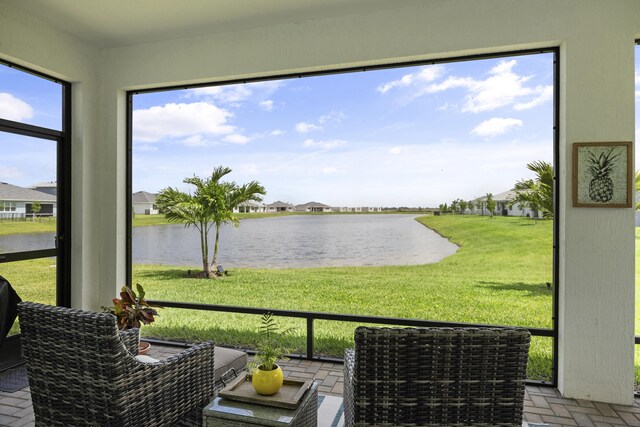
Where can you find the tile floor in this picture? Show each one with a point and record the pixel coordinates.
(542, 405)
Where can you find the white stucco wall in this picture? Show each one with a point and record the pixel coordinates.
(597, 104)
(28, 42)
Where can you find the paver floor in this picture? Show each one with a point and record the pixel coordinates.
(541, 405)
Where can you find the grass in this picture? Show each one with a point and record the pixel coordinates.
(476, 285)
(498, 276)
(42, 225)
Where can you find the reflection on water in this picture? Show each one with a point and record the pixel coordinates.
(298, 241)
(26, 242)
(286, 241)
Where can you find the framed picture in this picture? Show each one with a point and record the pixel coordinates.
(602, 174)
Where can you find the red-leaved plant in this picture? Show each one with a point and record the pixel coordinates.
(131, 309)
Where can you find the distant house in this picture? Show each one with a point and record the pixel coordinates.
(17, 202)
(313, 207)
(250, 206)
(503, 206)
(50, 187)
(348, 209)
(144, 203)
(358, 209)
(279, 207)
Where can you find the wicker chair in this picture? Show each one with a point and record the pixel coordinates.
(82, 372)
(436, 377)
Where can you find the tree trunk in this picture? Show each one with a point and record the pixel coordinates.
(214, 265)
(205, 252)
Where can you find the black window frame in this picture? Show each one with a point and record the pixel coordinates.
(552, 333)
(62, 250)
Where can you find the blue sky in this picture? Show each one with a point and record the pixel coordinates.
(29, 99)
(412, 136)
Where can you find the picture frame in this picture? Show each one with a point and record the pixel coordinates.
(603, 174)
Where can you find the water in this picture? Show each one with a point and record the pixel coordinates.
(298, 241)
(281, 242)
(26, 242)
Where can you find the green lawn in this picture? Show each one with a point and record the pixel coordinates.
(498, 276)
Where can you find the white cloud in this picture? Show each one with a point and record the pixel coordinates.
(277, 132)
(180, 120)
(545, 94)
(426, 74)
(638, 94)
(236, 138)
(326, 145)
(12, 108)
(195, 141)
(333, 116)
(304, 127)
(496, 126)
(266, 105)
(637, 78)
(238, 93)
(503, 87)
(396, 150)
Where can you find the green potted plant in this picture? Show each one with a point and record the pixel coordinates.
(266, 375)
(133, 311)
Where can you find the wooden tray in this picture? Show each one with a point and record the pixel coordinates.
(287, 397)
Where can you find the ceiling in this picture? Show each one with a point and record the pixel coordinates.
(111, 23)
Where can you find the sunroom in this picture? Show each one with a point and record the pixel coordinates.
(103, 56)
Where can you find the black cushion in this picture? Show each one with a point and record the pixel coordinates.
(9, 300)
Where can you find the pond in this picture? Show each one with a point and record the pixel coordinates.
(299, 241)
(282, 242)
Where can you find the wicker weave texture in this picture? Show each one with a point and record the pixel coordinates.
(436, 377)
(82, 374)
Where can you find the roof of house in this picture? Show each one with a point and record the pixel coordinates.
(280, 204)
(251, 203)
(313, 204)
(505, 196)
(45, 184)
(143, 197)
(11, 192)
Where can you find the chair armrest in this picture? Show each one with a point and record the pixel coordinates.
(348, 398)
(131, 340)
(178, 385)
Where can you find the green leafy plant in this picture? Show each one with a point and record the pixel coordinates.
(131, 309)
(269, 351)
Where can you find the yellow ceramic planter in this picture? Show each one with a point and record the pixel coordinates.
(267, 383)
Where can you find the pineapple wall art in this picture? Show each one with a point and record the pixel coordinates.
(602, 174)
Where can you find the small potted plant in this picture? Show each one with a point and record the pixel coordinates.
(133, 311)
(266, 375)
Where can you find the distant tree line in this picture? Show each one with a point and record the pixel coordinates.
(535, 194)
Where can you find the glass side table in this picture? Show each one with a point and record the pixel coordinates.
(227, 412)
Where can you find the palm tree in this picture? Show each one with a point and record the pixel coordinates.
(35, 209)
(491, 204)
(211, 204)
(471, 205)
(537, 194)
(454, 206)
(463, 206)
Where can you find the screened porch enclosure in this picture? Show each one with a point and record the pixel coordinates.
(110, 52)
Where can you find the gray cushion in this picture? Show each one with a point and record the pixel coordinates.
(227, 358)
